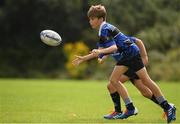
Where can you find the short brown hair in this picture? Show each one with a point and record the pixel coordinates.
(98, 11)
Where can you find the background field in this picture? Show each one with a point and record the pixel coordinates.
(70, 101)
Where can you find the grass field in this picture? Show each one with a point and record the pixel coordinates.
(71, 101)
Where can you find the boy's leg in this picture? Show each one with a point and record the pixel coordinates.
(142, 73)
(114, 80)
(138, 66)
(169, 109)
(115, 98)
(145, 91)
(146, 80)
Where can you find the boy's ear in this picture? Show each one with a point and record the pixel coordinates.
(101, 18)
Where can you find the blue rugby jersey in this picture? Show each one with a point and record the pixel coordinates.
(116, 55)
(110, 35)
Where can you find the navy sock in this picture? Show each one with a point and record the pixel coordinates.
(116, 100)
(165, 105)
(163, 102)
(153, 98)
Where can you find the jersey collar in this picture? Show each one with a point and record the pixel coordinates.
(104, 22)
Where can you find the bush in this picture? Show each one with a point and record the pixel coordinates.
(165, 66)
(70, 50)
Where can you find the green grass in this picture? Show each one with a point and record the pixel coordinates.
(71, 101)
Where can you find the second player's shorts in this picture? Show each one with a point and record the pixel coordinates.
(131, 74)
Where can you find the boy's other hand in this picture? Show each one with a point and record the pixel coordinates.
(100, 61)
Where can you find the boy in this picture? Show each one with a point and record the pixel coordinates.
(130, 58)
(128, 75)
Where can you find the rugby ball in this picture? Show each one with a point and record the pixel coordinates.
(50, 37)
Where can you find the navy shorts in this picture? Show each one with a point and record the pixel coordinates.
(134, 64)
(131, 74)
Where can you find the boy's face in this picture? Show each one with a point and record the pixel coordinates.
(95, 22)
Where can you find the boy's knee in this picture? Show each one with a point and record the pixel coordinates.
(108, 86)
(111, 88)
(113, 82)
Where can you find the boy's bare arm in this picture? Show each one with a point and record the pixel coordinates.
(143, 51)
(105, 51)
(79, 59)
(89, 57)
(142, 48)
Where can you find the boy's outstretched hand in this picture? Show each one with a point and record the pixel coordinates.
(78, 60)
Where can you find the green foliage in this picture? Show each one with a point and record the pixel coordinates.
(161, 37)
(165, 66)
(131, 15)
(21, 21)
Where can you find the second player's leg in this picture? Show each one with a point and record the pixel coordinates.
(145, 91)
(168, 108)
(146, 80)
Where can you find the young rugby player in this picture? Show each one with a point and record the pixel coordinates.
(130, 58)
(129, 75)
